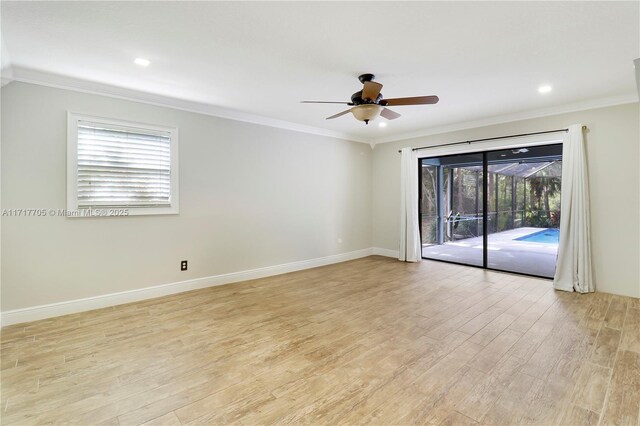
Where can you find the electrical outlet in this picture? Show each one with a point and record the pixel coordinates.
(183, 265)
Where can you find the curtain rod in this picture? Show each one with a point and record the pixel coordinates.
(492, 139)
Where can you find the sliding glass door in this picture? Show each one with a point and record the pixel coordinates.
(451, 208)
(508, 222)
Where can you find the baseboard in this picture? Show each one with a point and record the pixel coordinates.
(385, 252)
(35, 313)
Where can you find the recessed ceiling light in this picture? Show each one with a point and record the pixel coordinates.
(382, 124)
(544, 89)
(142, 62)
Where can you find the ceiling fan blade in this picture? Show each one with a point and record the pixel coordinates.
(417, 100)
(326, 102)
(340, 114)
(388, 114)
(371, 90)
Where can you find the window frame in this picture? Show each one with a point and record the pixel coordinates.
(72, 167)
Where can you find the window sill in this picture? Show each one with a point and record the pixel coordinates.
(96, 212)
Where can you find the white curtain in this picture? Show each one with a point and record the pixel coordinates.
(409, 230)
(573, 269)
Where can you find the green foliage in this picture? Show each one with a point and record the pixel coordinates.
(429, 230)
(539, 219)
(468, 228)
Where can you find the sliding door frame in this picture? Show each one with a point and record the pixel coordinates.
(485, 212)
(485, 202)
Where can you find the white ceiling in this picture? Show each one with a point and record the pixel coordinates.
(483, 59)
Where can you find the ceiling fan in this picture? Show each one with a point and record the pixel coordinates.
(368, 103)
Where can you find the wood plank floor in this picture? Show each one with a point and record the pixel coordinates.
(372, 341)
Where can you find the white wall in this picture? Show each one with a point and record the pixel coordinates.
(613, 142)
(250, 196)
(253, 196)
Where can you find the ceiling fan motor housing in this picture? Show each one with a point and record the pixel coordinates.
(356, 99)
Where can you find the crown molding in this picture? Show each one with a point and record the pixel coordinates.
(43, 78)
(636, 68)
(6, 70)
(6, 76)
(508, 118)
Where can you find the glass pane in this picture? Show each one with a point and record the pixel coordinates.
(451, 208)
(428, 204)
(524, 206)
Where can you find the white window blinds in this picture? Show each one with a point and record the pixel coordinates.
(122, 166)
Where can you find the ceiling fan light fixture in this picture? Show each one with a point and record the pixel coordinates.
(366, 112)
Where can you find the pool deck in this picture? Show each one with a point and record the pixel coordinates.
(504, 252)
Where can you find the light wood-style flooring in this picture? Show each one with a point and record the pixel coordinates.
(372, 341)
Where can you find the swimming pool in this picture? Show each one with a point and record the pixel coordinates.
(546, 236)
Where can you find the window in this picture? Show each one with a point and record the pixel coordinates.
(115, 164)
